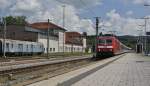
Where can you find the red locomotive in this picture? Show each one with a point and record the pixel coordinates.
(107, 46)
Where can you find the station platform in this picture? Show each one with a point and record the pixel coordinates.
(129, 69)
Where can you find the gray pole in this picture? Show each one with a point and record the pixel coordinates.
(48, 40)
(97, 24)
(4, 39)
(82, 43)
(145, 37)
(63, 24)
(72, 48)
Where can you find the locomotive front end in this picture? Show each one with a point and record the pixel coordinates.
(105, 47)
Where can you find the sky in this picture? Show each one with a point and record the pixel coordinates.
(120, 16)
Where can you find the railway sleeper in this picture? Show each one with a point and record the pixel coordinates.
(24, 75)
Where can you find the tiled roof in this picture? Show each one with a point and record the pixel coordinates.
(73, 33)
(73, 38)
(44, 26)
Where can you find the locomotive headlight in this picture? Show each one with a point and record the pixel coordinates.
(99, 49)
(101, 46)
(110, 49)
(109, 46)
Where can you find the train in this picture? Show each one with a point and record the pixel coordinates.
(20, 48)
(108, 45)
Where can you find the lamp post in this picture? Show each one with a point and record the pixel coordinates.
(72, 41)
(48, 33)
(4, 38)
(97, 27)
(63, 25)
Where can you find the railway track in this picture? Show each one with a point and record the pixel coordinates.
(24, 61)
(20, 73)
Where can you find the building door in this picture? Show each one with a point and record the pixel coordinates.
(139, 48)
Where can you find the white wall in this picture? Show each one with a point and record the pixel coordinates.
(68, 47)
(73, 48)
(57, 44)
(84, 44)
(53, 43)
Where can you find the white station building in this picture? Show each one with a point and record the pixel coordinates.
(59, 39)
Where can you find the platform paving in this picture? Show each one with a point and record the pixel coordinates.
(128, 70)
(131, 70)
(68, 79)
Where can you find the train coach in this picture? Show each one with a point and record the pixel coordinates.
(108, 46)
(19, 48)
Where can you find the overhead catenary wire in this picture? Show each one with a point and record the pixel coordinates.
(83, 3)
(93, 13)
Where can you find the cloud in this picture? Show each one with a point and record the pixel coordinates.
(129, 13)
(122, 25)
(4, 4)
(25, 6)
(41, 10)
(80, 4)
(139, 1)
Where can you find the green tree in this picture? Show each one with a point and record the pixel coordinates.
(15, 20)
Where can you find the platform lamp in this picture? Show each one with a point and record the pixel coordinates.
(63, 24)
(48, 34)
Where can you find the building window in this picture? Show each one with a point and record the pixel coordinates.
(50, 49)
(40, 46)
(7, 46)
(12, 45)
(54, 49)
(46, 49)
(61, 48)
(20, 47)
(13, 35)
(27, 48)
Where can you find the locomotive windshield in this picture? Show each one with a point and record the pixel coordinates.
(105, 41)
(102, 41)
(108, 41)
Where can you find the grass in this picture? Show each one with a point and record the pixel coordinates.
(51, 55)
(66, 54)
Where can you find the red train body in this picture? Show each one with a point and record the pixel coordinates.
(107, 46)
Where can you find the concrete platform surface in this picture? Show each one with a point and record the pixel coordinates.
(131, 70)
(72, 77)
